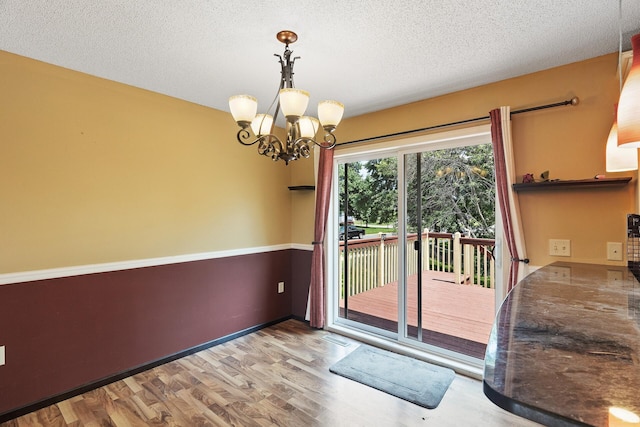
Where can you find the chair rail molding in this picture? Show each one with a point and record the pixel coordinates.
(54, 273)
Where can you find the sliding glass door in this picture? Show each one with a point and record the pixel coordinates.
(368, 243)
(449, 205)
(413, 245)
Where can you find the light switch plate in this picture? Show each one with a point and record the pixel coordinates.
(2, 360)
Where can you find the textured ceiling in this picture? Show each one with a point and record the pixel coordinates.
(370, 54)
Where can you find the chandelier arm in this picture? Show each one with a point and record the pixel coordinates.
(268, 140)
(270, 145)
(271, 139)
(302, 150)
(245, 135)
(328, 143)
(282, 85)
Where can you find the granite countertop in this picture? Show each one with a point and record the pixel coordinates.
(565, 346)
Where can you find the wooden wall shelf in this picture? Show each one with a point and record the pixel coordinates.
(302, 187)
(571, 184)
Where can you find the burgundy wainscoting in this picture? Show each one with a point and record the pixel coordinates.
(300, 278)
(62, 334)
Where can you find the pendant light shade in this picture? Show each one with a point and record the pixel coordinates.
(621, 417)
(308, 126)
(243, 108)
(629, 104)
(330, 113)
(261, 125)
(619, 159)
(293, 102)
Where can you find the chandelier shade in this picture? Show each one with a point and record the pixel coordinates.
(262, 124)
(629, 103)
(243, 108)
(293, 102)
(330, 113)
(308, 126)
(300, 129)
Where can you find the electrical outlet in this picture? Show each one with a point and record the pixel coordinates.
(559, 247)
(2, 360)
(614, 251)
(280, 287)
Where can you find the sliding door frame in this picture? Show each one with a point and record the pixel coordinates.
(333, 307)
(398, 148)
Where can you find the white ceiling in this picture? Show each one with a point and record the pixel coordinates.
(369, 54)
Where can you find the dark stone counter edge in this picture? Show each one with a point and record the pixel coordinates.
(527, 411)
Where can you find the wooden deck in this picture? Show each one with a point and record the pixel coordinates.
(454, 316)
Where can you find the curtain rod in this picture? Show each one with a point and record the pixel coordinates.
(572, 101)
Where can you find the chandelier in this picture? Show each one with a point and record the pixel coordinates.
(300, 129)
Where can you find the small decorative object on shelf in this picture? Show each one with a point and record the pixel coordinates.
(528, 178)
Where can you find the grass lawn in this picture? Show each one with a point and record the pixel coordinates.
(375, 229)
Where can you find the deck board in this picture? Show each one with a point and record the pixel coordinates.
(457, 310)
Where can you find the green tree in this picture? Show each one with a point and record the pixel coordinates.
(457, 190)
(382, 190)
(373, 190)
(356, 187)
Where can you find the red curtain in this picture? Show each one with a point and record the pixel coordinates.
(503, 194)
(323, 194)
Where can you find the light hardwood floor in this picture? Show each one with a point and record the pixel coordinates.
(277, 376)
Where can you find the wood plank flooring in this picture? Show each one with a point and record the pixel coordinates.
(278, 376)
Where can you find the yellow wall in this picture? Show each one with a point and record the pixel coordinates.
(302, 202)
(93, 171)
(567, 141)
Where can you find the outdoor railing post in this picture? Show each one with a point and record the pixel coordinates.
(457, 257)
(468, 264)
(381, 262)
(485, 266)
(425, 250)
(478, 255)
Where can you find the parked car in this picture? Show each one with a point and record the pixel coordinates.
(352, 232)
(341, 219)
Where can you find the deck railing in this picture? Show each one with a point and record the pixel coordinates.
(373, 261)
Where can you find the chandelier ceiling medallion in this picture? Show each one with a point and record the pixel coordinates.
(300, 129)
